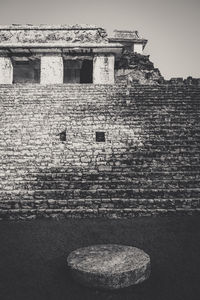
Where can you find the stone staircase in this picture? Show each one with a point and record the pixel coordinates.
(148, 164)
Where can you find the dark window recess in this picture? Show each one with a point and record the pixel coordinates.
(78, 71)
(86, 71)
(100, 136)
(62, 136)
(26, 71)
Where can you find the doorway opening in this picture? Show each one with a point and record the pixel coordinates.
(78, 71)
(86, 72)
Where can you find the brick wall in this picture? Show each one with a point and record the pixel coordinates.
(148, 164)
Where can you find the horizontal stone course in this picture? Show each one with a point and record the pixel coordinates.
(148, 165)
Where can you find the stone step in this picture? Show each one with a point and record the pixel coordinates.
(105, 185)
(164, 164)
(115, 203)
(101, 193)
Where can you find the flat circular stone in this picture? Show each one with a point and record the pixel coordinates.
(109, 266)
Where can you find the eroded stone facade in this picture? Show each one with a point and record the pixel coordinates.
(52, 44)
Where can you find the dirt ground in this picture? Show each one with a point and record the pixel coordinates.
(33, 257)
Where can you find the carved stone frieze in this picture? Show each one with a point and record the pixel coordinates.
(93, 35)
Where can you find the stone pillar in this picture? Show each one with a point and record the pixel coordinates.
(51, 69)
(6, 70)
(138, 48)
(103, 69)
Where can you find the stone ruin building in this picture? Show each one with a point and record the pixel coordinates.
(90, 128)
(72, 54)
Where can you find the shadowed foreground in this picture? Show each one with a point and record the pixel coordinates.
(33, 257)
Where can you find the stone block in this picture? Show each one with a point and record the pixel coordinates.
(51, 70)
(6, 70)
(103, 69)
(109, 266)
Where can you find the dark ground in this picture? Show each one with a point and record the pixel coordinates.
(33, 257)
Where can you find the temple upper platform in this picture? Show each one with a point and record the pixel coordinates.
(51, 54)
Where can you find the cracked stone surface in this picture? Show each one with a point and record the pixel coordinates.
(109, 266)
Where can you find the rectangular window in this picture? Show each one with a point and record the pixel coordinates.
(63, 136)
(100, 136)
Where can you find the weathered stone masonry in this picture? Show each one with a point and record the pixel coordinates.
(45, 49)
(39, 54)
(110, 147)
(148, 164)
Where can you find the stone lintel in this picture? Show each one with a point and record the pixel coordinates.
(108, 50)
(60, 45)
(77, 57)
(19, 50)
(20, 58)
(67, 49)
(77, 50)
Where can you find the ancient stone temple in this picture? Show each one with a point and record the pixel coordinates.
(62, 54)
(90, 128)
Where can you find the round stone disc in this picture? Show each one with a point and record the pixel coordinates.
(109, 266)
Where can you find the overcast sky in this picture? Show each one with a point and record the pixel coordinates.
(172, 27)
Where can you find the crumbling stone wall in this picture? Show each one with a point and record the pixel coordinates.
(181, 81)
(148, 164)
(134, 66)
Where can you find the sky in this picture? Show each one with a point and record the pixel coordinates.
(172, 27)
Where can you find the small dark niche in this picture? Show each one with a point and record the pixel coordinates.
(100, 136)
(62, 136)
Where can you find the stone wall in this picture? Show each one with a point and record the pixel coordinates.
(6, 70)
(135, 66)
(103, 69)
(52, 69)
(52, 166)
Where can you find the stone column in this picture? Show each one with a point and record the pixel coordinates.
(103, 69)
(6, 70)
(51, 69)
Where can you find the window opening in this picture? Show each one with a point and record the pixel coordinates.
(100, 136)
